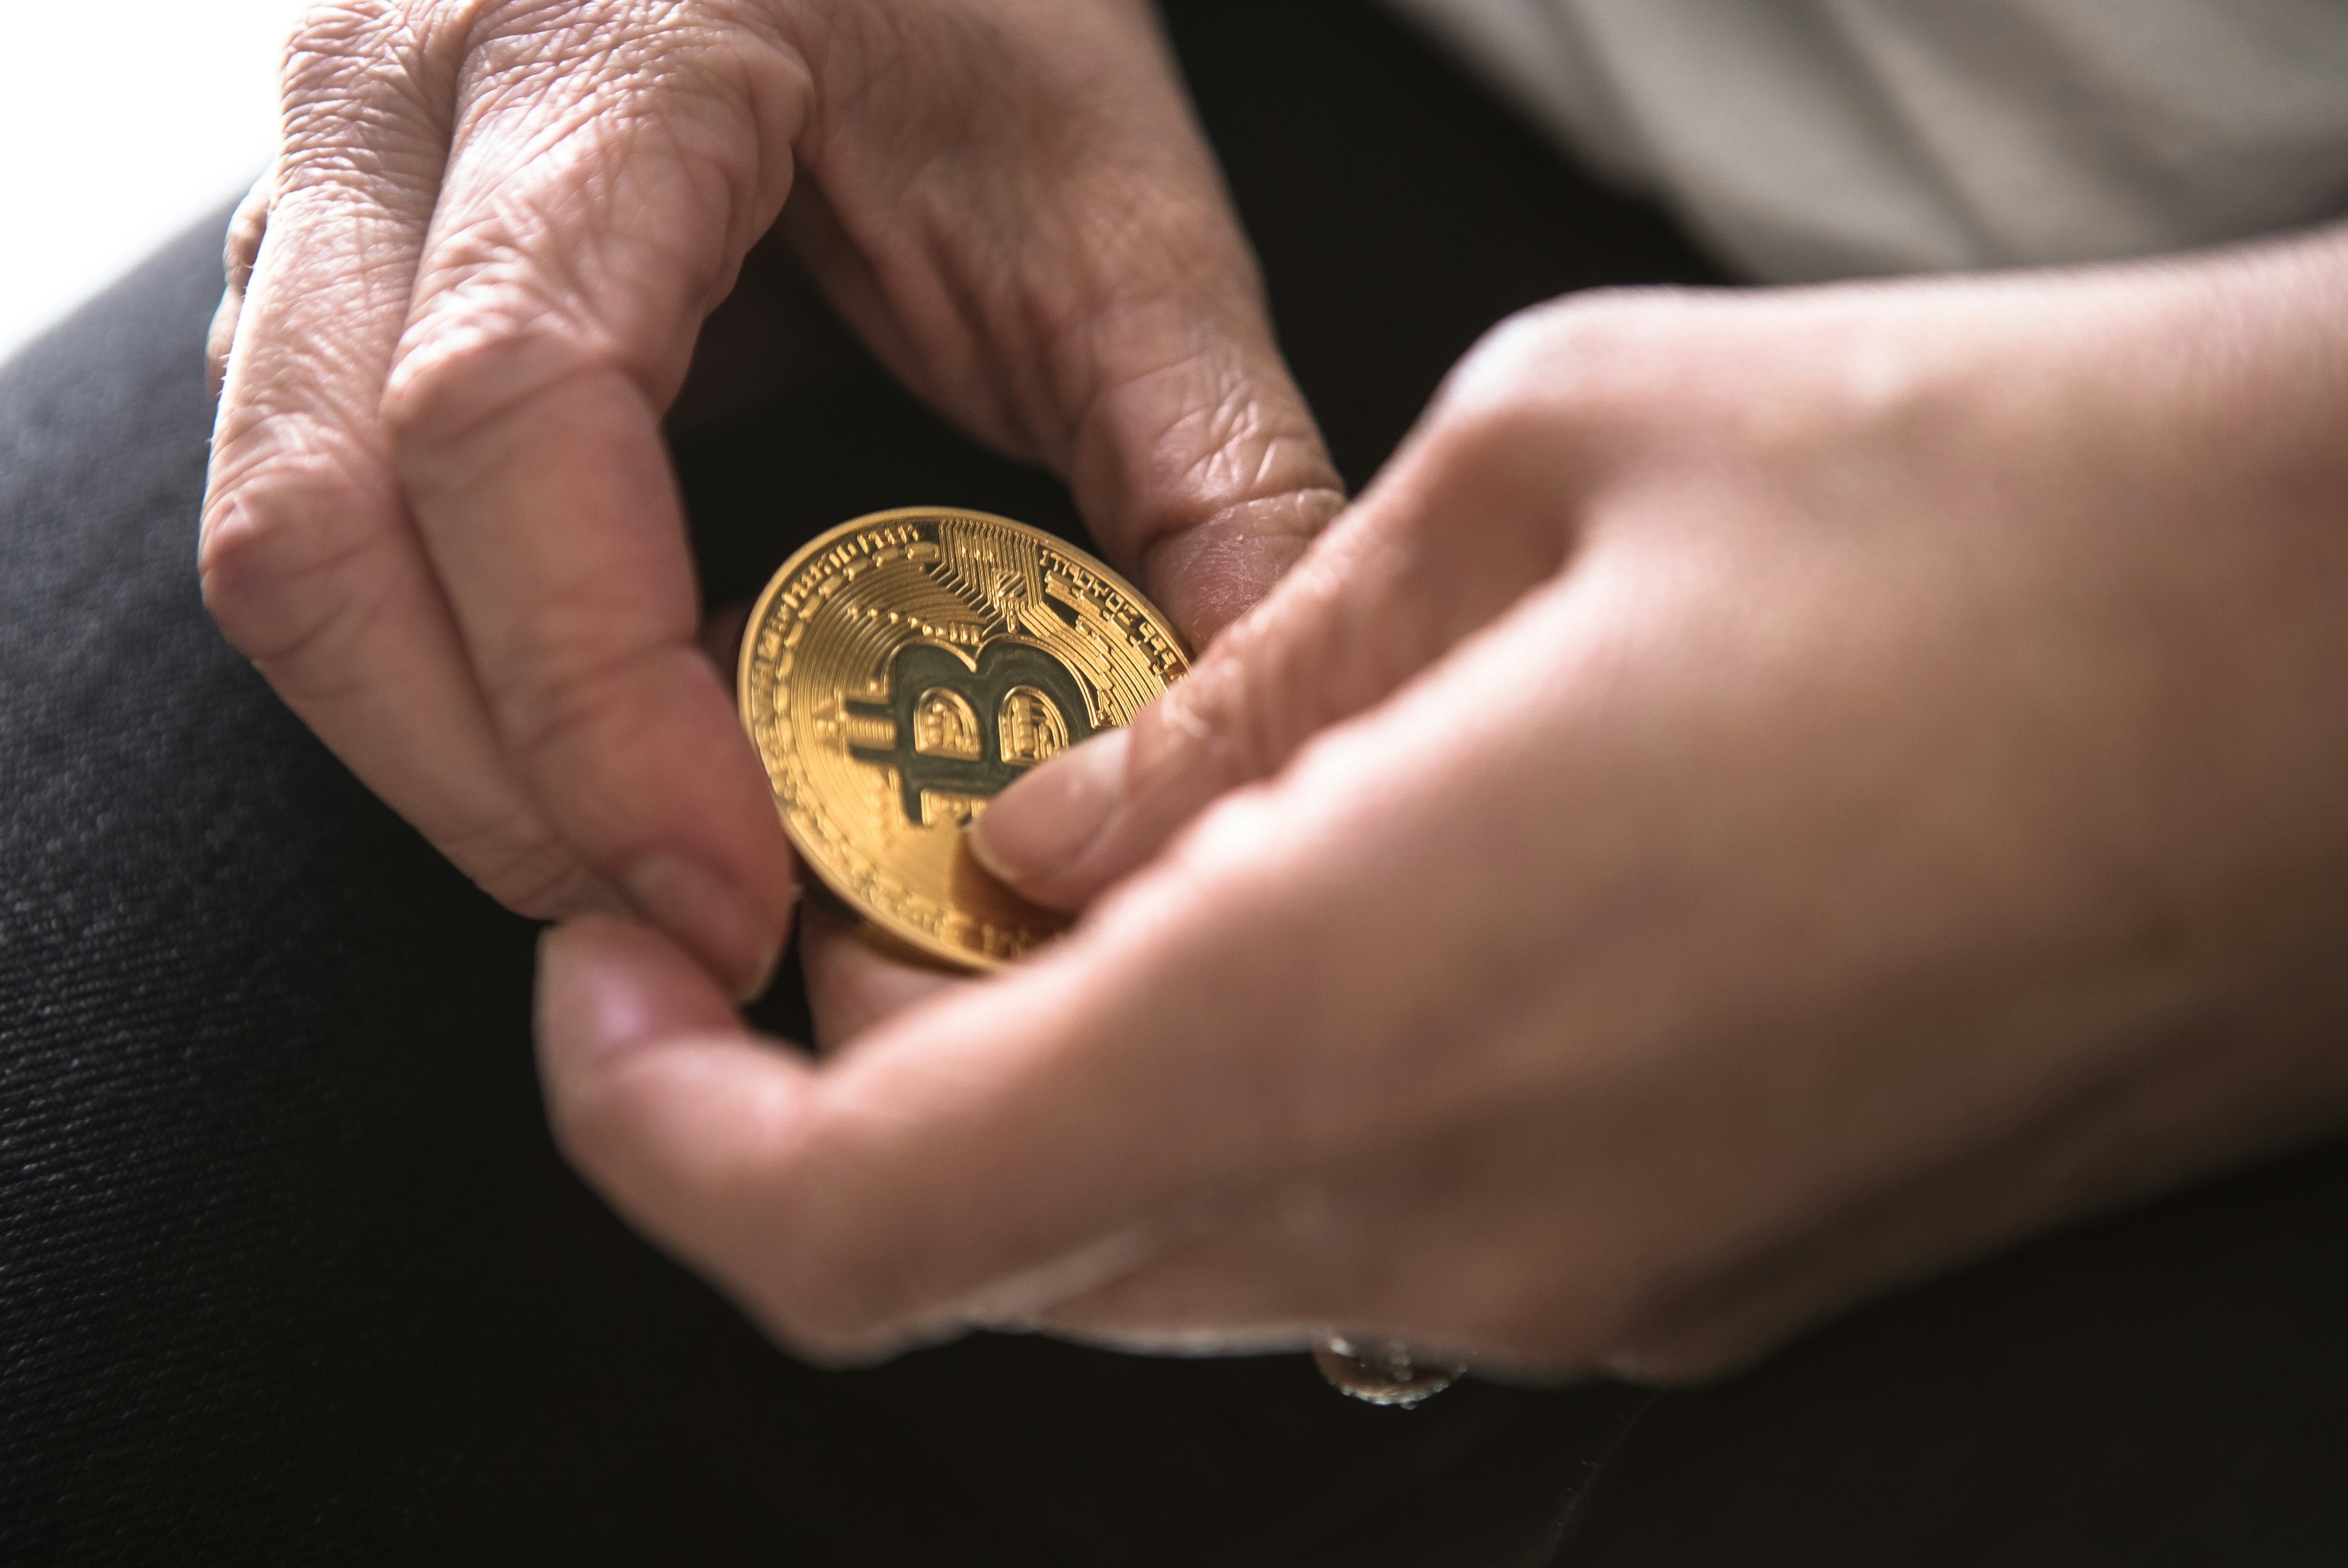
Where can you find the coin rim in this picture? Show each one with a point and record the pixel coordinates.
(902, 930)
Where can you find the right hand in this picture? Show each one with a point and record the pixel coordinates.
(441, 520)
(1768, 796)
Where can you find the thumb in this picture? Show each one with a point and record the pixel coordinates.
(1385, 591)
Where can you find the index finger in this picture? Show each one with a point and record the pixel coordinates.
(309, 560)
(603, 187)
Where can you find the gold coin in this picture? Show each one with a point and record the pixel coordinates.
(903, 669)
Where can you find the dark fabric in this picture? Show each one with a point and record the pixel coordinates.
(289, 1271)
(2165, 1388)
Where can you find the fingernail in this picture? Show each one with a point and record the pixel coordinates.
(1046, 819)
(703, 910)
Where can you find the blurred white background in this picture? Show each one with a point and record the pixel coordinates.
(120, 126)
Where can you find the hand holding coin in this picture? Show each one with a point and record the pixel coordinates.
(441, 518)
(898, 673)
(1612, 904)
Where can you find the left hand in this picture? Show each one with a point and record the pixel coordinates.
(441, 518)
(1768, 795)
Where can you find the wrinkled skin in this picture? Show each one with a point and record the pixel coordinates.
(441, 520)
(1768, 795)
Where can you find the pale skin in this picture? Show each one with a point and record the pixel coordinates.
(1768, 796)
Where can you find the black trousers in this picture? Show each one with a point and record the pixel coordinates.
(289, 1271)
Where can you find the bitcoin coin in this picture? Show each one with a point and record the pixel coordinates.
(901, 671)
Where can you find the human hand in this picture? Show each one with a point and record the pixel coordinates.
(442, 520)
(1768, 796)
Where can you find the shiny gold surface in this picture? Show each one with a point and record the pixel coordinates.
(901, 671)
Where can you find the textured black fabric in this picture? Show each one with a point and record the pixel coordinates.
(2165, 1389)
(289, 1271)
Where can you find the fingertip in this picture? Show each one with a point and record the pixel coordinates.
(1033, 833)
(607, 987)
(741, 943)
(982, 851)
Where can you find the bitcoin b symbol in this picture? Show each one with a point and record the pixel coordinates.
(965, 730)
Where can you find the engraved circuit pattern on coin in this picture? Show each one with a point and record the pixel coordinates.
(901, 671)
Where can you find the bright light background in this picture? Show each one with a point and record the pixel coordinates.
(120, 124)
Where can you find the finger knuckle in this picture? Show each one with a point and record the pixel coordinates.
(1583, 354)
(341, 27)
(567, 703)
(334, 48)
(517, 859)
(479, 359)
(601, 257)
(1220, 724)
(369, 74)
(361, 100)
(1481, 446)
(289, 558)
